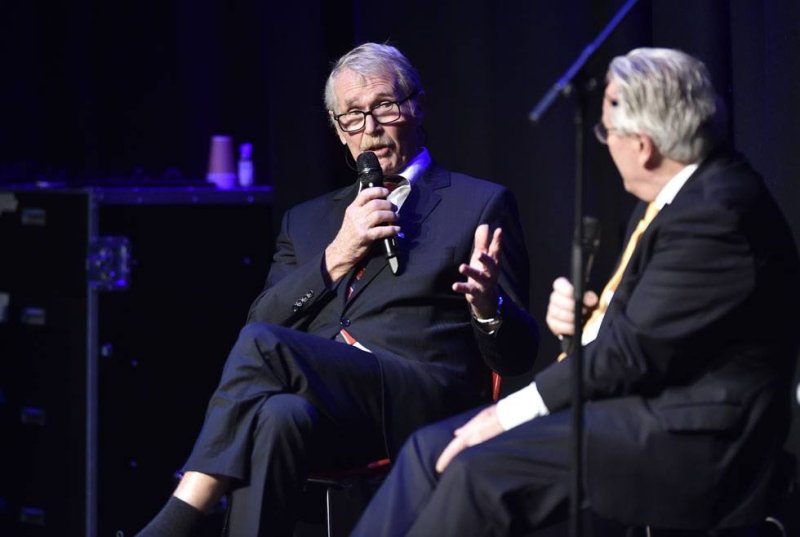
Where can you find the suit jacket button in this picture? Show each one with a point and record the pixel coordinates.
(345, 322)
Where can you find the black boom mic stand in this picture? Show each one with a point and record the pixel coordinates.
(574, 79)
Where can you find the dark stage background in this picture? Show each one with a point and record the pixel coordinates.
(105, 91)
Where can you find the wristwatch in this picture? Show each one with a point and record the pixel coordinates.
(492, 323)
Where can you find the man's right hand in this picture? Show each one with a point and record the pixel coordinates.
(482, 427)
(369, 218)
(561, 309)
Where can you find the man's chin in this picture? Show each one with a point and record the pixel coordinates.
(389, 164)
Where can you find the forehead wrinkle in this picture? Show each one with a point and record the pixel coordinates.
(353, 102)
(353, 88)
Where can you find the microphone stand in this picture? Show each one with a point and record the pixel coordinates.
(564, 86)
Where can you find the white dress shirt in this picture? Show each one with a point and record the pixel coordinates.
(410, 174)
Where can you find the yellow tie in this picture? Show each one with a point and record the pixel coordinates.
(611, 286)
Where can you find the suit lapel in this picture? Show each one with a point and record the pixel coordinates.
(418, 207)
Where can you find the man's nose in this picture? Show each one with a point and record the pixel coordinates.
(370, 125)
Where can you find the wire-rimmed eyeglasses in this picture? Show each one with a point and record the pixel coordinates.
(384, 112)
(601, 132)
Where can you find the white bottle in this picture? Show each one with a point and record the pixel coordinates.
(246, 171)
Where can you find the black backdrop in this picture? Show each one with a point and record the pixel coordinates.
(99, 91)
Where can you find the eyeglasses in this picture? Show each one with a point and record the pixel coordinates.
(601, 132)
(384, 112)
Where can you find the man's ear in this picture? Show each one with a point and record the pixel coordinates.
(649, 155)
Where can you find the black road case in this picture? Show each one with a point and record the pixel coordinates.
(117, 309)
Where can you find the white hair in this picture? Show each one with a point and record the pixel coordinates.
(667, 95)
(371, 59)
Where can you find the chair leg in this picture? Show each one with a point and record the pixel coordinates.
(328, 512)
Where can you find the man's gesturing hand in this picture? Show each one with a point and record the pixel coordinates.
(482, 273)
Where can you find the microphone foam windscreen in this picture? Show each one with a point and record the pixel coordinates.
(369, 169)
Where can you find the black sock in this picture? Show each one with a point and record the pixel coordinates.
(176, 519)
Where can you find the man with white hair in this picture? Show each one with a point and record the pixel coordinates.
(346, 352)
(687, 351)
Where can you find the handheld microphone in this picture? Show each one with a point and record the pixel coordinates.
(370, 175)
(589, 245)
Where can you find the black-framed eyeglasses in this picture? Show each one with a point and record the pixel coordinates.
(384, 112)
(601, 132)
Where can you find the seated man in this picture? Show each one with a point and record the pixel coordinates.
(688, 354)
(344, 355)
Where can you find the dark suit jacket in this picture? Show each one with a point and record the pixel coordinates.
(433, 356)
(688, 379)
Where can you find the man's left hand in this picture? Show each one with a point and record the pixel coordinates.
(480, 428)
(482, 273)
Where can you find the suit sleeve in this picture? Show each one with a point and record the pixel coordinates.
(512, 349)
(695, 269)
(294, 290)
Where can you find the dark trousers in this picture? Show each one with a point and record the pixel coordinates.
(507, 485)
(287, 402)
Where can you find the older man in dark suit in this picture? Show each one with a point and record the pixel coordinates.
(347, 351)
(688, 351)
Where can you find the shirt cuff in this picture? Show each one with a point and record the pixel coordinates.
(521, 406)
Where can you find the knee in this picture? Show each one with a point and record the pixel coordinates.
(431, 439)
(257, 344)
(246, 362)
(424, 446)
(258, 335)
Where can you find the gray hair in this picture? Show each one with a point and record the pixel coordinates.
(371, 59)
(667, 95)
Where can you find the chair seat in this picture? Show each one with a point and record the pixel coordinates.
(333, 476)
